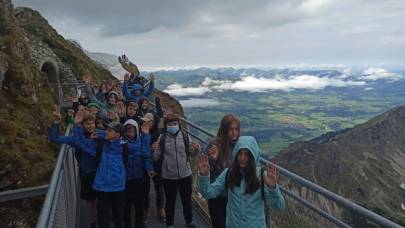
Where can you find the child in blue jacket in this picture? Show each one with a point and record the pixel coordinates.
(138, 90)
(137, 165)
(111, 172)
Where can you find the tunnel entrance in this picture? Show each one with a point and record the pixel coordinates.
(52, 72)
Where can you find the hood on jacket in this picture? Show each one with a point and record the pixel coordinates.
(112, 93)
(132, 123)
(249, 143)
(131, 101)
(137, 87)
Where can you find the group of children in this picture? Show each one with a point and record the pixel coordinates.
(121, 143)
(118, 140)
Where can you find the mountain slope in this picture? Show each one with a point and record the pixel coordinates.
(109, 62)
(26, 97)
(365, 164)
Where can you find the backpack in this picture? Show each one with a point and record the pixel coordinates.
(162, 145)
(99, 151)
(266, 206)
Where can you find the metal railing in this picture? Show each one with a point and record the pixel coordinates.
(23, 193)
(61, 201)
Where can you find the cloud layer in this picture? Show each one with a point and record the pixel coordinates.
(262, 84)
(376, 73)
(198, 102)
(179, 90)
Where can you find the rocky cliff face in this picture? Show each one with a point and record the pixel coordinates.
(365, 164)
(34, 59)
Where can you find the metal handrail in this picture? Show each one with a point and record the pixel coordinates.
(334, 197)
(315, 209)
(45, 214)
(23, 193)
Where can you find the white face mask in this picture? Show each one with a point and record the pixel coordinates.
(173, 129)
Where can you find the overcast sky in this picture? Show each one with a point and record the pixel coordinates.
(157, 33)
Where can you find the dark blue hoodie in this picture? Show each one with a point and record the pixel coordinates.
(136, 87)
(141, 161)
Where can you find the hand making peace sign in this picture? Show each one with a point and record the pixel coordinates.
(57, 117)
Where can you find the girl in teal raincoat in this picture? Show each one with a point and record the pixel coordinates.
(242, 184)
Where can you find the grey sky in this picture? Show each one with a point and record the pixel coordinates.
(178, 33)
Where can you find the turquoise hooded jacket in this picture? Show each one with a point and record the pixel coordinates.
(243, 210)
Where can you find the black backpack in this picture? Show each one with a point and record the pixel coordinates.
(162, 146)
(99, 151)
(266, 207)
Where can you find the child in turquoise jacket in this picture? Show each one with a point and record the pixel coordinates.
(242, 183)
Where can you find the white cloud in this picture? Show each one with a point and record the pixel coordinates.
(260, 84)
(376, 73)
(179, 90)
(198, 102)
(254, 84)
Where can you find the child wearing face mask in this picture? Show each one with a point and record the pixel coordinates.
(172, 152)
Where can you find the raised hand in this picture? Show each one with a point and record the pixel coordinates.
(79, 117)
(128, 65)
(203, 165)
(272, 176)
(152, 77)
(145, 128)
(57, 117)
(73, 99)
(194, 146)
(116, 117)
(213, 152)
(87, 78)
(120, 109)
(93, 134)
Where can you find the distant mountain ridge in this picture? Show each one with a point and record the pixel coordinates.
(365, 163)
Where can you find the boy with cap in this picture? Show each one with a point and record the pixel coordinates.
(153, 121)
(112, 155)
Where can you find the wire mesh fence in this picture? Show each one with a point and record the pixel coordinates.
(297, 215)
(61, 203)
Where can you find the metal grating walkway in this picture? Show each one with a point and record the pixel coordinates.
(153, 221)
